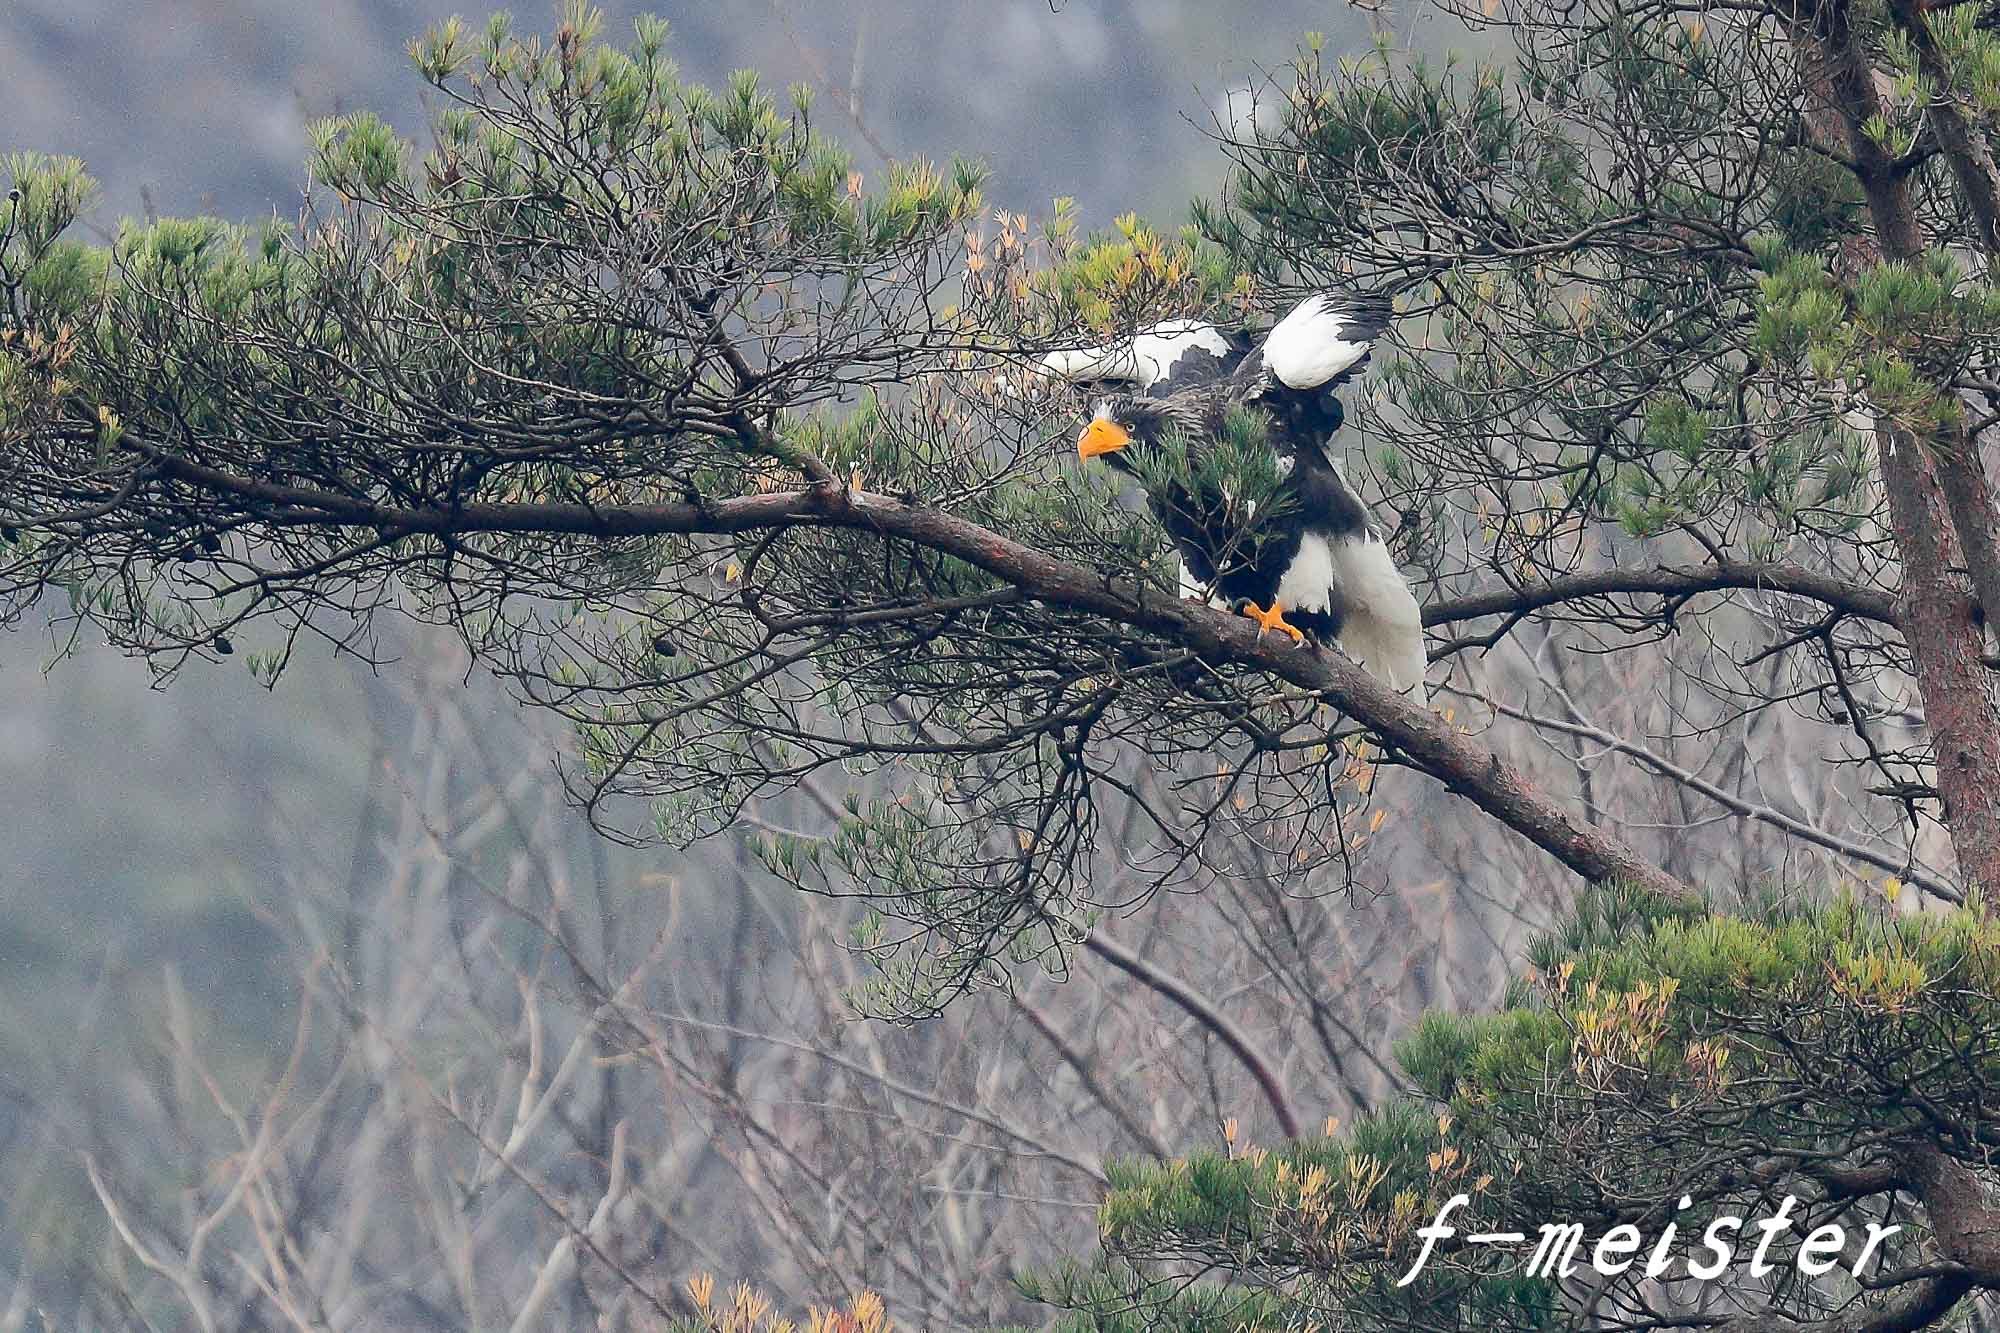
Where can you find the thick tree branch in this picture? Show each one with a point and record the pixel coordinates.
(1964, 144)
(1967, 1227)
(1918, 1304)
(1967, 492)
(1422, 737)
(1671, 581)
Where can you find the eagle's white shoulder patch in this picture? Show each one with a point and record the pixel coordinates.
(1144, 360)
(1312, 344)
(1159, 349)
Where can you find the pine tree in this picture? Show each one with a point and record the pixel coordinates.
(732, 458)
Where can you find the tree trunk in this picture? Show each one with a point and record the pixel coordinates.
(1948, 645)
(1945, 639)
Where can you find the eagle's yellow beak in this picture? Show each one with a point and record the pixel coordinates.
(1102, 436)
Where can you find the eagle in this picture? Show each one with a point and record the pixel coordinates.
(1318, 567)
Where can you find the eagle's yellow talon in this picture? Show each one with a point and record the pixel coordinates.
(1272, 619)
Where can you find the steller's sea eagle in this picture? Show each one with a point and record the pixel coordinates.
(1320, 568)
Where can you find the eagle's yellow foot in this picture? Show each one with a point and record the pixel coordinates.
(1270, 620)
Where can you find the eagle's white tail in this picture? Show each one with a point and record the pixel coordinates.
(1383, 627)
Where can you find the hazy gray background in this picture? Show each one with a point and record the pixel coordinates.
(203, 102)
